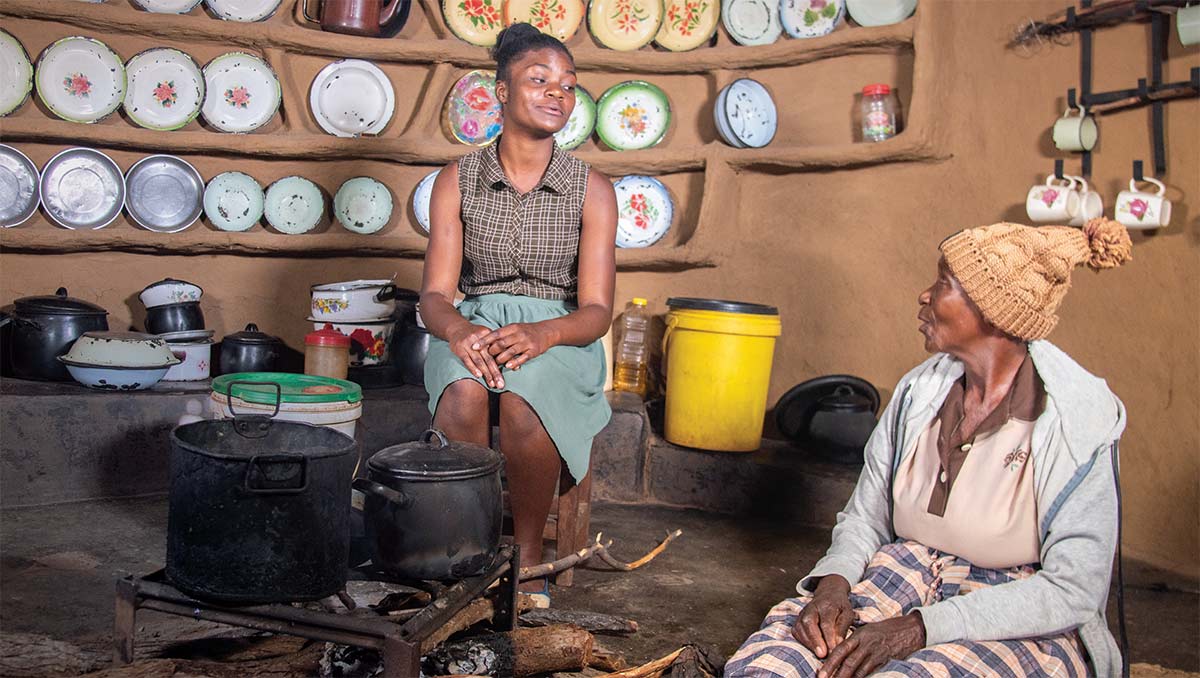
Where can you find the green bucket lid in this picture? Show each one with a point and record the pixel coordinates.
(293, 388)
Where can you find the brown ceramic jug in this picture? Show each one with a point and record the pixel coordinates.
(370, 18)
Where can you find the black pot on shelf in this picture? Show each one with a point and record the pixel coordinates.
(409, 353)
(44, 327)
(181, 317)
(250, 351)
(841, 424)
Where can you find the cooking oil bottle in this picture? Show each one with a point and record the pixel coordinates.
(630, 371)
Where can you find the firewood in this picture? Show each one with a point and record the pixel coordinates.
(523, 652)
(649, 670)
(37, 656)
(697, 662)
(605, 659)
(595, 622)
(606, 557)
(598, 549)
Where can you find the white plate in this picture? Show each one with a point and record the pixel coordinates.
(82, 188)
(294, 205)
(363, 205)
(167, 6)
(810, 18)
(581, 124)
(242, 92)
(752, 22)
(644, 211)
(166, 89)
(723, 128)
(750, 113)
(233, 201)
(421, 199)
(165, 193)
(879, 12)
(80, 79)
(242, 10)
(16, 73)
(352, 97)
(633, 115)
(18, 187)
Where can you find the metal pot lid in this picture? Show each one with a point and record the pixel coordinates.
(435, 458)
(846, 399)
(721, 305)
(187, 336)
(251, 335)
(58, 304)
(259, 388)
(169, 281)
(795, 409)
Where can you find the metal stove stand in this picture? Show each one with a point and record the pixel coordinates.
(400, 644)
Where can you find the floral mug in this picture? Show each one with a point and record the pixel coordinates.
(1091, 205)
(1136, 209)
(1053, 202)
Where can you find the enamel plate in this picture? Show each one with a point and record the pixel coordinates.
(18, 187)
(752, 22)
(80, 79)
(363, 205)
(625, 25)
(688, 24)
(165, 193)
(243, 93)
(722, 121)
(421, 199)
(166, 89)
(82, 189)
(242, 10)
(475, 21)
(233, 201)
(352, 97)
(581, 124)
(16, 74)
(294, 205)
(879, 12)
(750, 113)
(167, 6)
(472, 113)
(634, 114)
(644, 211)
(810, 18)
(560, 18)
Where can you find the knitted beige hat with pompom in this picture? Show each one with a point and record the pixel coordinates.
(1017, 275)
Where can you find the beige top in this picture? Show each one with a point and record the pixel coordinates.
(990, 518)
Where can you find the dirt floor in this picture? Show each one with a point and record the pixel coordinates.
(712, 585)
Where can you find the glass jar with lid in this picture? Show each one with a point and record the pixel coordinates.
(879, 113)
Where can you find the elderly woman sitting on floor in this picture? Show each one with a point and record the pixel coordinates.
(979, 540)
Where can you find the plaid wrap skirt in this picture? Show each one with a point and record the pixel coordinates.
(902, 576)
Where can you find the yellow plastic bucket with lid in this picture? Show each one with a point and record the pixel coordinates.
(718, 355)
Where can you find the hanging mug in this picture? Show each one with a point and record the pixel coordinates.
(1136, 209)
(1052, 202)
(1076, 132)
(1091, 205)
(1187, 23)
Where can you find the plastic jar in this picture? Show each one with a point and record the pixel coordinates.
(327, 353)
(878, 113)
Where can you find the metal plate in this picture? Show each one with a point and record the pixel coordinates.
(421, 198)
(167, 6)
(632, 115)
(472, 114)
(165, 193)
(645, 211)
(750, 113)
(18, 187)
(581, 124)
(82, 188)
(233, 201)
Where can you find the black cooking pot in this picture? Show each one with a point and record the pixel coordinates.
(433, 508)
(250, 351)
(841, 424)
(409, 351)
(43, 328)
(184, 316)
(259, 510)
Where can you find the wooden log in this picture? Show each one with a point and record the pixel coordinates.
(523, 652)
(594, 622)
(650, 669)
(605, 659)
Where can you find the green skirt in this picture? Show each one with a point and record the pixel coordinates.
(564, 385)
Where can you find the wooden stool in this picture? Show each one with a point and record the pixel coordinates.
(570, 520)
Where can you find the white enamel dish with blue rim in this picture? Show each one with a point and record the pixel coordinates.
(752, 22)
(645, 210)
(166, 89)
(810, 18)
(421, 198)
(581, 124)
(242, 93)
(363, 205)
(233, 201)
(750, 113)
(722, 121)
(80, 79)
(16, 73)
(294, 205)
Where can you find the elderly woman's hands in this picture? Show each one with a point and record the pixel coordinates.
(872, 645)
(823, 623)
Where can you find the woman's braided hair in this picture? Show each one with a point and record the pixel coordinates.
(516, 40)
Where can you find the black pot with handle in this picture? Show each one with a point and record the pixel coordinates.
(841, 424)
(259, 509)
(43, 328)
(433, 508)
(250, 351)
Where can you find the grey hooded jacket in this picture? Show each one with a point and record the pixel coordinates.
(1074, 443)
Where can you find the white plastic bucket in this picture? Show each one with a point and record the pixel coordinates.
(341, 416)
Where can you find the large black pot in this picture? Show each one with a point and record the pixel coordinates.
(250, 351)
(433, 509)
(43, 328)
(184, 316)
(259, 510)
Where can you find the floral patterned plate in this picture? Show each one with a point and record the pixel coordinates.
(16, 74)
(242, 10)
(472, 114)
(166, 89)
(421, 198)
(294, 205)
(750, 113)
(644, 211)
(560, 18)
(632, 115)
(80, 79)
(581, 124)
(625, 25)
(810, 18)
(351, 98)
(752, 22)
(233, 201)
(243, 93)
(18, 187)
(474, 21)
(363, 205)
(167, 6)
(688, 24)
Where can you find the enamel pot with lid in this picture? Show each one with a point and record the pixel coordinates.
(43, 328)
(250, 351)
(433, 507)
